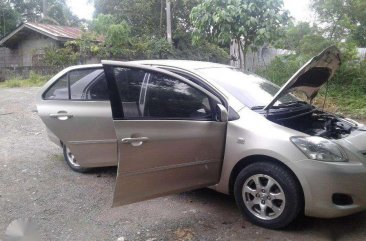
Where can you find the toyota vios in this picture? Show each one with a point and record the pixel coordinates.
(173, 126)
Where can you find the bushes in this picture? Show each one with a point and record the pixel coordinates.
(282, 68)
(60, 57)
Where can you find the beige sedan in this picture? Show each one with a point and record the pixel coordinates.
(173, 126)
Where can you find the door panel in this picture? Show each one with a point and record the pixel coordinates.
(178, 156)
(88, 131)
(166, 155)
(76, 109)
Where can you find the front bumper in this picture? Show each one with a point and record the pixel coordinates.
(324, 179)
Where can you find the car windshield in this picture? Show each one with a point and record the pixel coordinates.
(250, 89)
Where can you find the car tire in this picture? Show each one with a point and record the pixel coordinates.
(71, 162)
(268, 195)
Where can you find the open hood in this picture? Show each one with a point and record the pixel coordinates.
(312, 76)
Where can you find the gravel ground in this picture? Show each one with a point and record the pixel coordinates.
(35, 183)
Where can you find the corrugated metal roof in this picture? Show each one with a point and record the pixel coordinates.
(56, 31)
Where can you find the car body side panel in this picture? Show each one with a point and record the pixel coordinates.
(319, 180)
(89, 133)
(253, 134)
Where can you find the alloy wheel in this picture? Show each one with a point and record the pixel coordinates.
(263, 196)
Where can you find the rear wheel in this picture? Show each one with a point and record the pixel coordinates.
(72, 162)
(268, 195)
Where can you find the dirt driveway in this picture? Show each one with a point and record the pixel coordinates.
(35, 183)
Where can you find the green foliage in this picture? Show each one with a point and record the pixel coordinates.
(9, 18)
(101, 23)
(205, 51)
(118, 35)
(342, 19)
(88, 45)
(347, 89)
(250, 23)
(33, 80)
(311, 45)
(61, 57)
(143, 16)
(294, 34)
(14, 12)
(282, 68)
(148, 17)
(159, 49)
(256, 22)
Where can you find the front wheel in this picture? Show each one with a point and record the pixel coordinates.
(72, 162)
(268, 195)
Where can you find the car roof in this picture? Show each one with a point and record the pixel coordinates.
(183, 64)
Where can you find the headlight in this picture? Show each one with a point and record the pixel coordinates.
(318, 148)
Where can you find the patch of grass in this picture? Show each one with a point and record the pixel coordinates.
(350, 103)
(34, 80)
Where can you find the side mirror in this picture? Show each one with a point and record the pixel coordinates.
(221, 113)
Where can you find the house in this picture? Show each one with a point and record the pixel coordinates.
(25, 45)
(22, 50)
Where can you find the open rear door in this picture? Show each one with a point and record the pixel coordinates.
(169, 139)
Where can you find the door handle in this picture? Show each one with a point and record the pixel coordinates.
(61, 116)
(134, 141)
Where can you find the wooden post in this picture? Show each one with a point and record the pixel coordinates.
(168, 23)
(44, 9)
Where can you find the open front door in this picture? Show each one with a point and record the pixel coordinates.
(169, 139)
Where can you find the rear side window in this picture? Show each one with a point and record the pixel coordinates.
(58, 91)
(81, 84)
(79, 81)
(98, 89)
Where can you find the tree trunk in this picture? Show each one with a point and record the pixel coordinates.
(161, 17)
(234, 53)
(242, 55)
(168, 23)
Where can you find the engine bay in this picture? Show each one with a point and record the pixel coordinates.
(316, 123)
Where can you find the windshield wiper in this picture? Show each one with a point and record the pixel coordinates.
(291, 103)
(279, 106)
(259, 107)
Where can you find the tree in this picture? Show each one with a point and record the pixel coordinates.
(9, 18)
(294, 33)
(142, 15)
(342, 19)
(53, 11)
(249, 23)
(147, 17)
(102, 22)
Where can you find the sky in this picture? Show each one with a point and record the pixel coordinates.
(81, 8)
(299, 9)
